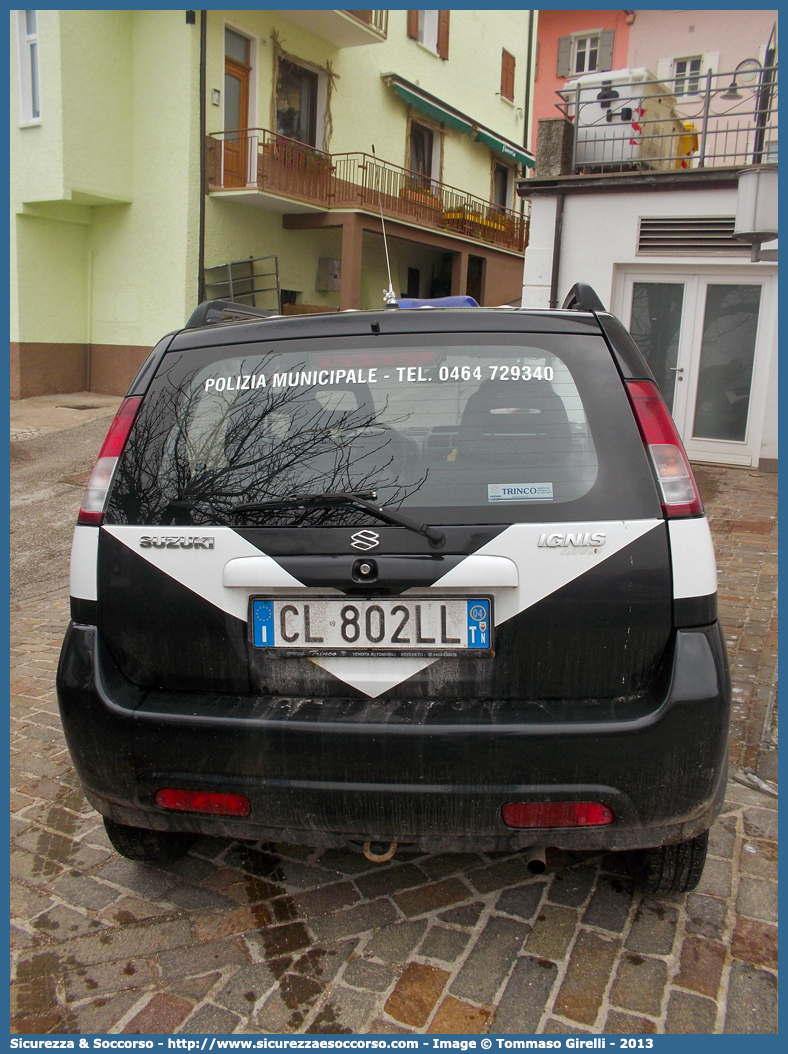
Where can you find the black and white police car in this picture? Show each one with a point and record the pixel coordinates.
(438, 577)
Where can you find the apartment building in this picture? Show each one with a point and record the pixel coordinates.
(161, 157)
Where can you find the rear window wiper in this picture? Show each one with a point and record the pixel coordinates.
(362, 500)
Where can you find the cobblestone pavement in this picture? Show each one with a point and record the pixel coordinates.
(250, 937)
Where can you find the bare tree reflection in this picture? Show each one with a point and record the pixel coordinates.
(194, 455)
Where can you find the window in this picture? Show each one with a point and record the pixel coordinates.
(507, 75)
(315, 418)
(29, 98)
(414, 282)
(585, 52)
(296, 103)
(430, 28)
(686, 75)
(421, 160)
(500, 193)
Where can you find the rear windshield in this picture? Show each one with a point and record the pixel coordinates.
(466, 430)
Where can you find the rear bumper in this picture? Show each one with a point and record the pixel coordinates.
(328, 771)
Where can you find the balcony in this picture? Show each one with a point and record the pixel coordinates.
(280, 174)
(625, 122)
(343, 29)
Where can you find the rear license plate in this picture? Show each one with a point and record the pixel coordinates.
(338, 625)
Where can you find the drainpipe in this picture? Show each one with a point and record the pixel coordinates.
(201, 244)
(528, 71)
(89, 355)
(559, 222)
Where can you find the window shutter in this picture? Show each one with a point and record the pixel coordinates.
(564, 51)
(413, 25)
(605, 57)
(507, 75)
(665, 71)
(443, 34)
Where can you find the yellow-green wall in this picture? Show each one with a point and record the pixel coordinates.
(236, 232)
(146, 253)
(116, 156)
(51, 258)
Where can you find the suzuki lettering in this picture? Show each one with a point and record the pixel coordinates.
(176, 542)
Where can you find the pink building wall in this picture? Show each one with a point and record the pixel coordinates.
(736, 35)
(652, 36)
(555, 24)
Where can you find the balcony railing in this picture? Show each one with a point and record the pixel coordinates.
(378, 20)
(725, 119)
(261, 160)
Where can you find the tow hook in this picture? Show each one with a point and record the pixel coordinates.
(535, 860)
(381, 858)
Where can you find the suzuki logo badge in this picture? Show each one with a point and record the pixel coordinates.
(364, 540)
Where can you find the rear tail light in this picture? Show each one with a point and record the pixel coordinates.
(211, 802)
(94, 500)
(556, 814)
(679, 492)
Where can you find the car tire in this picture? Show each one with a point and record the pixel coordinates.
(148, 847)
(670, 868)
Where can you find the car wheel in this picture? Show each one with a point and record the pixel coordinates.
(670, 868)
(148, 847)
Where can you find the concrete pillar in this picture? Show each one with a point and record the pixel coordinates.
(539, 255)
(350, 281)
(459, 274)
(554, 142)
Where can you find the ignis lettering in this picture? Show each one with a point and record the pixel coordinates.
(556, 541)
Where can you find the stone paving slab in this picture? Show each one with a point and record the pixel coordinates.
(245, 937)
(44, 414)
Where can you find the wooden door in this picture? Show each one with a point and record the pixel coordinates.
(236, 120)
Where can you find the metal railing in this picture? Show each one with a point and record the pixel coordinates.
(378, 20)
(724, 119)
(258, 159)
(262, 160)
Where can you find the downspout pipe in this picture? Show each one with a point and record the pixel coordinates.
(559, 223)
(528, 80)
(203, 79)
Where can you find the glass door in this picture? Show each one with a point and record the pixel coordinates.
(727, 356)
(701, 335)
(655, 324)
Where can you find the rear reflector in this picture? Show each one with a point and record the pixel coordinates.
(203, 801)
(679, 492)
(94, 500)
(556, 814)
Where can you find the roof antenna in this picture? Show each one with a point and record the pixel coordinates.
(389, 296)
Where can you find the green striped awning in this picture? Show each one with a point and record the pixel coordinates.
(504, 147)
(445, 114)
(432, 109)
